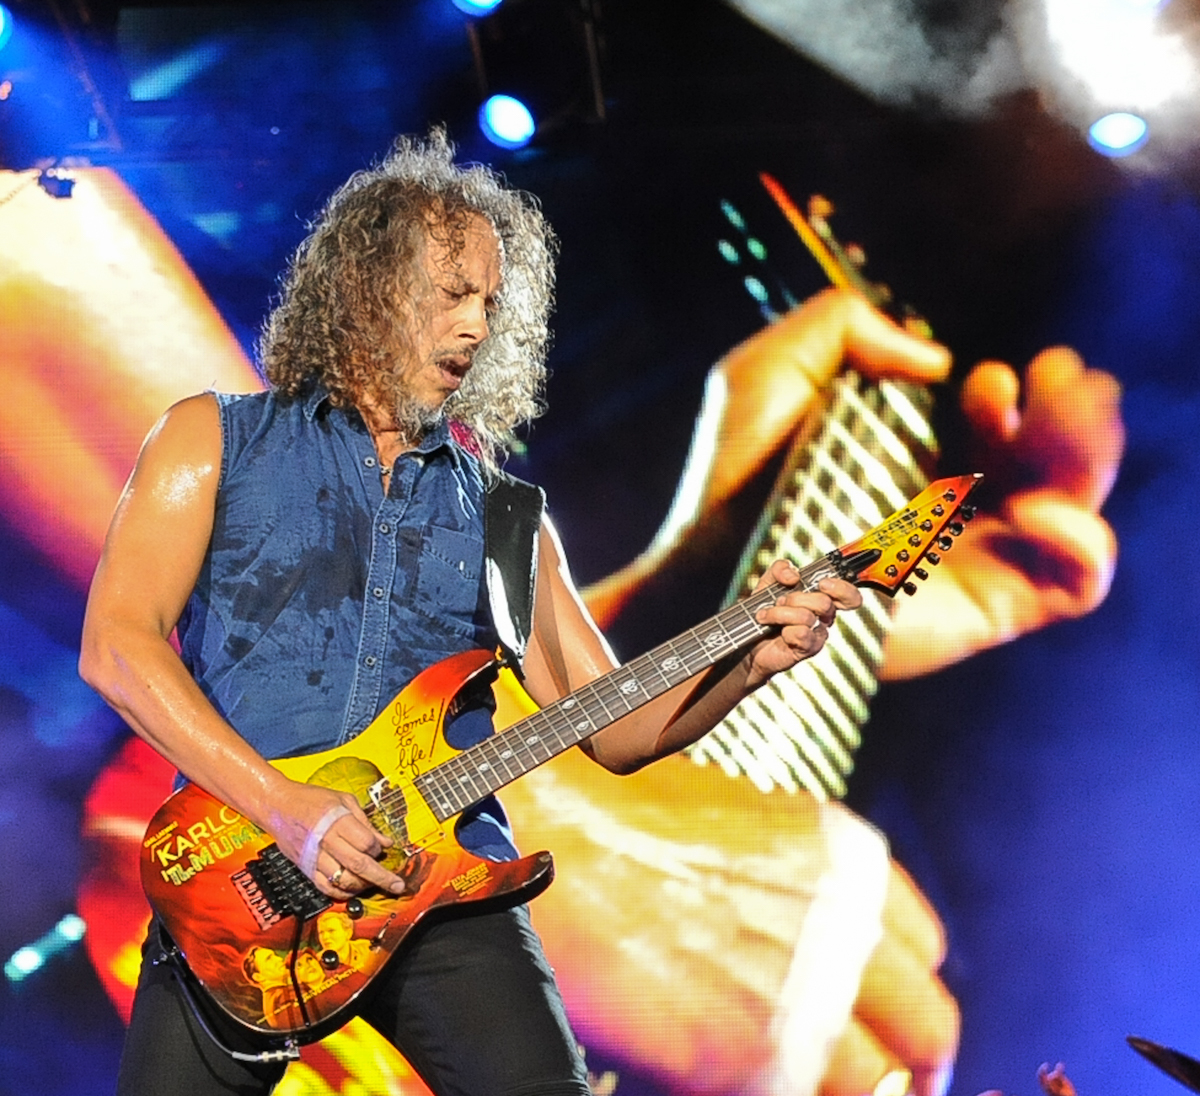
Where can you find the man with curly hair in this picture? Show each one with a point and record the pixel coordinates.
(317, 545)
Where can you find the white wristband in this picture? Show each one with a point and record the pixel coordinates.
(312, 843)
(840, 931)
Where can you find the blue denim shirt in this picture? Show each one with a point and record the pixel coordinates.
(321, 596)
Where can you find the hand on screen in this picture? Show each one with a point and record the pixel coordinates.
(681, 900)
(904, 1017)
(1050, 445)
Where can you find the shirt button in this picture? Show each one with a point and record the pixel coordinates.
(369, 462)
(378, 591)
(369, 660)
(385, 527)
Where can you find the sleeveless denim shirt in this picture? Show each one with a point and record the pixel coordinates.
(321, 597)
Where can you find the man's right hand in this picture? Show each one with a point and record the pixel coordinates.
(329, 835)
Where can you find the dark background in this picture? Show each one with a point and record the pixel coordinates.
(1044, 795)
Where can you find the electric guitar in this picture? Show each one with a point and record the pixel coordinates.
(283, 959)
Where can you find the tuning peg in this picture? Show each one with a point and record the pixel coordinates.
(967, 512)
(945, 543)
(933, 558)
(956, 528)
(909, 588)
(820, 208)
(921, 573)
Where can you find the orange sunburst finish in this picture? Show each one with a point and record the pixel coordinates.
(195, 846)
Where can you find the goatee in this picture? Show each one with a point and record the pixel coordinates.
(414, 418)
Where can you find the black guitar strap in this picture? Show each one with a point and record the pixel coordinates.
(512, 515)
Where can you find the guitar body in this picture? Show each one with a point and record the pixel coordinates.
(237, 919)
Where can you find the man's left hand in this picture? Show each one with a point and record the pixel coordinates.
(803, 619)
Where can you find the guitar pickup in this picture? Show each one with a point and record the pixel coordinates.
(274, 888)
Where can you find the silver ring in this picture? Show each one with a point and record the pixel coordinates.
(336, 877)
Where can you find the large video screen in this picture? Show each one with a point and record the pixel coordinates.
(957, 844)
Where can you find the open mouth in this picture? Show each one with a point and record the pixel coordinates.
(455, 367)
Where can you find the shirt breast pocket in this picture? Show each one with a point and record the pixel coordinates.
(448, 577)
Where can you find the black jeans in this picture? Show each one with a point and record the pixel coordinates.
(470, 1001)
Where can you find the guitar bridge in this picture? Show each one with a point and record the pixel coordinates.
(274, 888)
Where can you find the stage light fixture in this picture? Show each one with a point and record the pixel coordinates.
(506, 122)
(537, 70)
(1118, 134)
(476, 8)
(6, 26)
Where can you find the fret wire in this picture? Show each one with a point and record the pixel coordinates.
(885, 427)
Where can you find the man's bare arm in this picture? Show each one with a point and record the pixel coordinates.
(149, 565)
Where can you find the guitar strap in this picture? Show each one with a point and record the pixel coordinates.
(512, 515)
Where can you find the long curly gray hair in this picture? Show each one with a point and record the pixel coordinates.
(350, 296)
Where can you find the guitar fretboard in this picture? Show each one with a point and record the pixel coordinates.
(873, 448)
(487, 767)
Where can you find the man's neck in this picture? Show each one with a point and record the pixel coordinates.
(390, 440)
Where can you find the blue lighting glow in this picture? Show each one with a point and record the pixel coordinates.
(6, 25)
(32, 957)
(476, 7)
(506, 122)
(168, 78)
(1118, 134)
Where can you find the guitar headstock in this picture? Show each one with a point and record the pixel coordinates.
(885, 557)
(844, 264)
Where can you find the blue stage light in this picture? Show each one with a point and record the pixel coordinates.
(6, 25)
(506, 122)
(31, 958)
(476, 7)
(1118, 134)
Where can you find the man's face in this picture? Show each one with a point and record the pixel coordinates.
(333, 932)
(453, 323)
(270, 967)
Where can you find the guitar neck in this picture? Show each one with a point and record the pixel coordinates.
(865, 448)
(483, 769)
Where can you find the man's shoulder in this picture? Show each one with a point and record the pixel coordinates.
(257, 411)
(247, 401)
